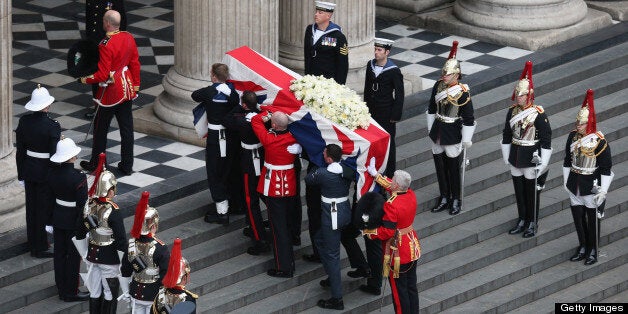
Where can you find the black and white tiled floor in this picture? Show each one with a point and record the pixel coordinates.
(43, 30)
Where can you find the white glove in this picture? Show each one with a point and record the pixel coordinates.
(295, 149)
(430, 121)
(223, 88)
(467, 145)
(124, 286)
(250, 116)
(566, 171)
(506, 152)
(49, 229)
(545, 158)
(371, 168)
(599, 198)
(21, 182)
(467, 134)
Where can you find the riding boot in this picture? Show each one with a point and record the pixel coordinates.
(453, 172)
(109, 306)
(579, 220)
(531, 208)
(591, 236)
(94, 305)
(520, 197)
(443, 185)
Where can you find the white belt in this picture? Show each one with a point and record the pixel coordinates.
(581, 170)
(65, 203)
(250, 146)
(337, 200)
(278, 167)
(215, 127)
(524, 142)
(37, 155)
(446, 119)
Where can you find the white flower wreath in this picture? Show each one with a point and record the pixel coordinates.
(335, 102)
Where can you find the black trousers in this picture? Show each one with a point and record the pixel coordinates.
(296, 214)
(391, 128)
(404, 291)
(374, 256)
(124, 115)
(253, 212)
(37, 215)
(313, 202)
(350, 243)
(217, 168)
(279, 209)
(66, 262)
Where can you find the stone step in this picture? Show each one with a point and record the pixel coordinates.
(359, 302)
(611, 286)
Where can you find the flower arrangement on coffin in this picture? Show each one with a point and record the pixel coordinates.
(333, 101)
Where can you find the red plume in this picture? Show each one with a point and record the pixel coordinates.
(96, 173)
(454, 50)
(591, 122)
(526, 73)
(174, 265)
(140, 214)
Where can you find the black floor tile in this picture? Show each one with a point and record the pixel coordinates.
(157, 156)
(163, 51)
(60, 25)
(29, 36)
(163, 171)
(433, 48)
(435, 62)
(428, 36)
(152, 142)
(26, 18)
(483, 47)
(390, 36)
(488, 60)
(28, 74)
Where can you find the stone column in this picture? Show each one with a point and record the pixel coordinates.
(11, 193)
(357, 19)
(204, 31)
(520, 15)
(618, 9)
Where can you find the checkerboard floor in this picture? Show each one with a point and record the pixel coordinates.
(43, 30)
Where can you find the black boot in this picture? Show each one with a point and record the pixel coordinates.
(443, 184)
(579, 219)
(531, 208)
(332, 303)
(518, 183)
(579, 255)
(222, 219)
(591, 257)
(519, 227)
(531, 230)
(94, 305)
(259, 248)
(109, 306)
(441, 204)
(456, 206)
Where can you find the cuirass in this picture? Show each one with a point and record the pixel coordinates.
(583, 159)
(524, 130)
(103, 234)
(166, 300)
(145, 251)
(448, 106)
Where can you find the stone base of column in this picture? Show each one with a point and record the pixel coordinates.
(397, 10)
(12, 211)
(145, 121)
(445, 21)
(617, 9)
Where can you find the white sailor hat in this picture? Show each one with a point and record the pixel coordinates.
(66, 149)
(325, 6)
(384, 43)
(40, 99)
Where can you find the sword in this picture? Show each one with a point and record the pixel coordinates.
(536, 160)
(91, 124)
(463, 167)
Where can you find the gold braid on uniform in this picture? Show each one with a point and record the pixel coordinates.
(454, 99)
(381, 180)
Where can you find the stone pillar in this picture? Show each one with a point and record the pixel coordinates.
(357, 19)
(520, 15)
(11, 193)
(618, 9)
(203, 31)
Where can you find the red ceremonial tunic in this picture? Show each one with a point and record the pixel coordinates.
(278, 178)
(119, 60)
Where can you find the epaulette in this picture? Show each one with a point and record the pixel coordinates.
(192, 294)
(600, 135)
(158, 241)
(392, 198)
(114, 205)
(539, 109)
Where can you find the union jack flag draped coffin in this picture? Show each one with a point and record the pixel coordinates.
(250, 70)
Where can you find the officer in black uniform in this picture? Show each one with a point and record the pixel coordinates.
(68, 191)
(335, 215)
(527, 132)
(145, 262)
(251, 161)
(173, 295)
(326, 53)
(36, 140)
(95, 10)
(218, 99)
(450, 123)
(102, 220)
(587, 176)
(383, 94)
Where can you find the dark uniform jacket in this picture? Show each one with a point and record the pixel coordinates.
(107, 254)
(161, 256)
(70, 185)
(332, 185)
(521, 156)
(216, 104)
(38, 133)
(236, 120)
(95, 10)
(384, 94)
(329, 55)
(583, 183)
(450, 133)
